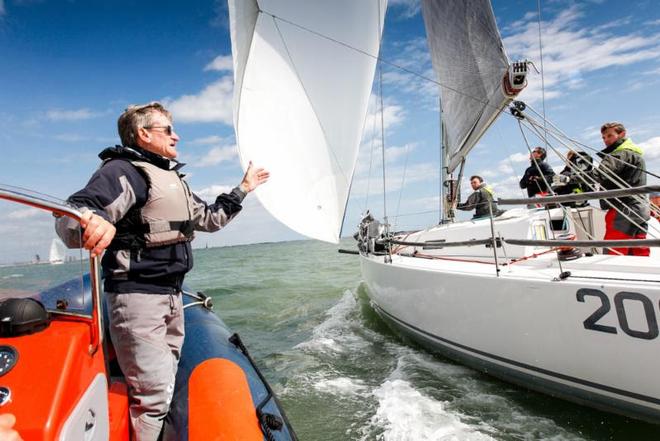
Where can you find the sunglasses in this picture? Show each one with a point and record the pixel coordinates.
(167, 129)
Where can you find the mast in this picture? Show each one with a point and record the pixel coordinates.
(475, 78)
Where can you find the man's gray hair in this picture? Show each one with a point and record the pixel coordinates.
(137, 116)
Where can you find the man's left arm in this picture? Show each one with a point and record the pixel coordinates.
(215, 216)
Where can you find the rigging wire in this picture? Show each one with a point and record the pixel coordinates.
(591, 181)
(371, 160)
(403, 180)
(549, 187)
(382, 60)
(559, 133)
(542, 70)
(536, 128)
(388, 258)
(302, 85)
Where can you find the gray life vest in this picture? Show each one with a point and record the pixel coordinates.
(166, 217)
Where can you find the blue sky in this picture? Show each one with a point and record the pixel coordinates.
(69, 68)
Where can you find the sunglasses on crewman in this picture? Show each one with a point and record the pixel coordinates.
(167, 129)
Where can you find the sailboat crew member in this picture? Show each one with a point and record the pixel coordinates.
(138, 206)
(538, 175)
(622, 162)
(479, 200)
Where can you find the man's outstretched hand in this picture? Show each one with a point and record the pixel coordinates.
(253, 178)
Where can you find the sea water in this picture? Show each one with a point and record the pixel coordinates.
(342, 374)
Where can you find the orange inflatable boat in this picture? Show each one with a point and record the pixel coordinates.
(59, 378)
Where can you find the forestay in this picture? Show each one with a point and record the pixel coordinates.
(302, 85)
(470, 63)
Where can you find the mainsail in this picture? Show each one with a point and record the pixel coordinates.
(303, 72)
(470, 63)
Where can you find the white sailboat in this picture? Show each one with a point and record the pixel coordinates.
(494, 293)
(57, 252)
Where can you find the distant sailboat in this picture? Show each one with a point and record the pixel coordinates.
(57, 252)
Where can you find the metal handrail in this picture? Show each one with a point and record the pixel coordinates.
(627, 243)
(545, 200)
(436, 245)
(63, 210)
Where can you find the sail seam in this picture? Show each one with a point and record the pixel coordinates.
(311, 104)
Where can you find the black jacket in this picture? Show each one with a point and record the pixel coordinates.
(628, 166)
(114, 192)
(532, 179)
(478, 201)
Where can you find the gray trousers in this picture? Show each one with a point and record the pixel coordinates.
(147, 334)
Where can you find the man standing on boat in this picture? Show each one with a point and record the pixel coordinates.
(622, 166)
(479, 200)
(138, 206)
(538, 175)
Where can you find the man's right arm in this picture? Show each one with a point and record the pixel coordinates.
(106, 198)
(470, 203)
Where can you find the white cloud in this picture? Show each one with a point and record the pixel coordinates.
(420, 172)
(69, 137)
(392, 115)
(210, 193)
(71, 115)
(518, 157)
(212, 104)
(393, 154)
(411, 72)
(655, 71)
(410, 7)
(571, 50)
(651, 148)
(221, 63)
(508, 188)
(25, 213)
(208, 140)
(217, 155)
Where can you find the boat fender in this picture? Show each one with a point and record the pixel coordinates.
(22, 316)
(220, 405)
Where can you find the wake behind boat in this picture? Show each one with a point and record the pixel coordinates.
(526, 296)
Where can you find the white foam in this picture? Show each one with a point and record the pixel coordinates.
(342, 386)
(405, 414)
(334, 333)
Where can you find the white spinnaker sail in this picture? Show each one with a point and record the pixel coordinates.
(303, 71)
(470, 63)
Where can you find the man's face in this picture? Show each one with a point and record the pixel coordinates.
(536, 155)
(610, 136)
(475, 183)
(159, 137)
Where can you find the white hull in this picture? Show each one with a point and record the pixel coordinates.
(528, 327)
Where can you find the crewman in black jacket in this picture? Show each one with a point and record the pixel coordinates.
(538, 175)
(479, 200)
